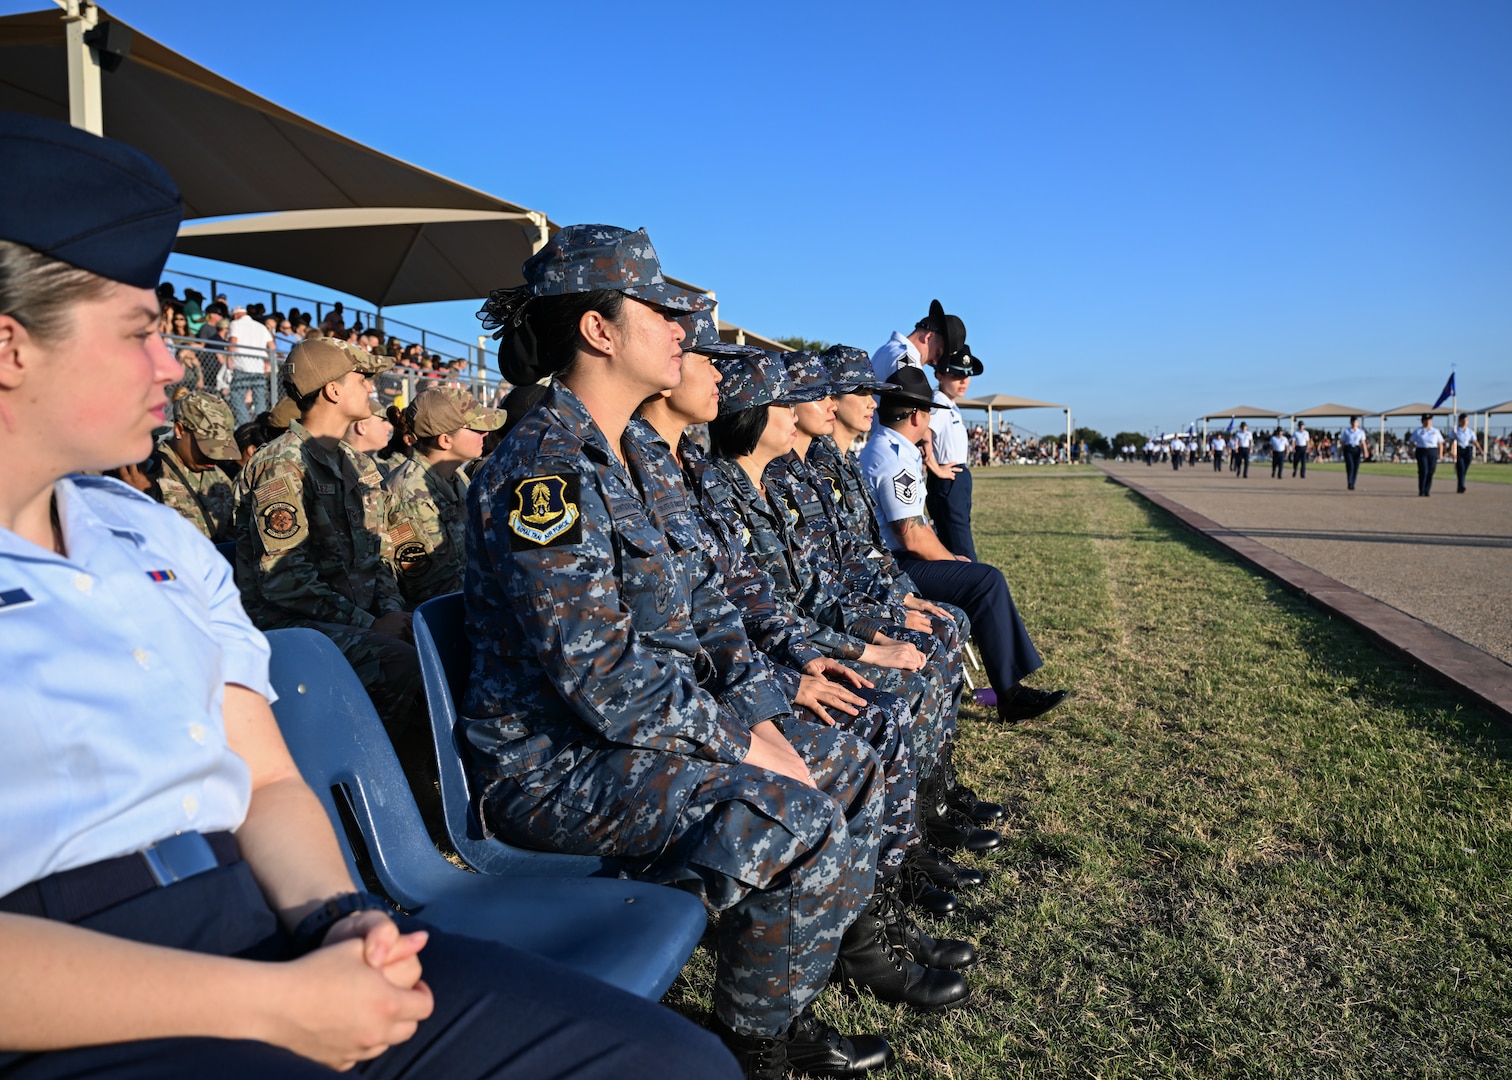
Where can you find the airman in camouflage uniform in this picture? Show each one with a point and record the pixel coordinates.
(315, 549)
(191, 482)
(428, 492)
(617, 696)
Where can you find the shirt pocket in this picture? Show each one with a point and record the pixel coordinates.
(650, 577)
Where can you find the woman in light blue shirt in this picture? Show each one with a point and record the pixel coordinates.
(1352, 442)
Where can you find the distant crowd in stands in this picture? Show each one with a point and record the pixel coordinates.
(1009, 448)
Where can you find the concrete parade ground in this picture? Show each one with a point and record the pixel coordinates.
(1446, 560)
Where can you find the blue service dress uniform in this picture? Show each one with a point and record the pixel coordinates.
(603, 724)
(1464, 454)
(1352, 444)
(1426, 442)
(115, 741)
(895, 469)
(949, 501)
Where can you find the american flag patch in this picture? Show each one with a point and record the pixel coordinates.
(14, 598)
(272, 491)
(401, 532)
(162, 575)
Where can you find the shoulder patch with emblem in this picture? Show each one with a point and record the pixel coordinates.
(412, 558)
(546, 513)
(905, 486)
(280, 520)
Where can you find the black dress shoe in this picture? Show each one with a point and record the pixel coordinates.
(868, 961)
(955, 831)
(1025, 703)
(938, 868)
(816, 1049)
(917, 890)
(909, 938)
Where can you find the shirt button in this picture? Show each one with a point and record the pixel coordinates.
(197, 733)
(84, 583)
(140, 656)
(191, 805)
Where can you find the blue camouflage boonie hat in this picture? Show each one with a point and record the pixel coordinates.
(699, 330)
(583, 258)
(810, 379)
(749, 378)
(850, 369)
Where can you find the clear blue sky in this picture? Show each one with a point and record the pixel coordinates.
(1145, 210)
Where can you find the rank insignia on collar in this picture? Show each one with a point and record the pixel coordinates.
(905, 486)
(545, 513)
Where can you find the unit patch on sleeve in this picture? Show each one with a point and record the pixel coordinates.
(905, 486)
(280, 520)
(546, 513)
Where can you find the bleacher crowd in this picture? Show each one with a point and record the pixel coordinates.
(738, 670)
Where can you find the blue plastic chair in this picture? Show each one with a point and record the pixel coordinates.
(631, 934)
(445, 657)
(228, 551)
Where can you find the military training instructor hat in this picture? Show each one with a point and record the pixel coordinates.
(960, 363)
(316, 361)
(209, 420)
(93, 203)
(908, 387)
(951, 329)
(445, 409)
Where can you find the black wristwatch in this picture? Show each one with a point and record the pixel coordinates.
(312, 929)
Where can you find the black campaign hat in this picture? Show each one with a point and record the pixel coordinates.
(951, 329)
(91, 202)
(961, 362)
(908, 387)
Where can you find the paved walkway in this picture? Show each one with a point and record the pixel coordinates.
(1446, 560)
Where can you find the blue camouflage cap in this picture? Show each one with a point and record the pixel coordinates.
(749, 377)
(810, 379)
(850, 369)
(582, 258)
(699, 330)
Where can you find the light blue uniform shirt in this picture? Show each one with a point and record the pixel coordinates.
(1464, 436)
(897, 352)
(1352, 436)
(895, 470)
(116, 662)
(947, 432)
(1427, 438)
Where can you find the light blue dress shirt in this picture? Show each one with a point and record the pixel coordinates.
(895, 470)
(897, 352)
(1464, 436)
(1352, 436)
(116, 658)
(947, 432)
(1427, 438)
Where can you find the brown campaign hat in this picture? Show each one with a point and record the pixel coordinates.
(209, 420)
(443, 410)
(318, 360)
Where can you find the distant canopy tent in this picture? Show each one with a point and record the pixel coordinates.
(1417, 408)
(1505, 408)
(233, 152)
(1331, 410)
(1004, 402)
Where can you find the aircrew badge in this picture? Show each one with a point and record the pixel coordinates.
(545, 513)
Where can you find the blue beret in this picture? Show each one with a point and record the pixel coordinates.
(93, 203)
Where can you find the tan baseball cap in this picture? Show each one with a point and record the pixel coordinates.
(445, 409)
(316, 361)
(283, 412)
(210, 421)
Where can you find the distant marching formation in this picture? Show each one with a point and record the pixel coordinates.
(1427, 443)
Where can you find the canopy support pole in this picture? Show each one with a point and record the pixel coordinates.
(542, 231)
(84, 108)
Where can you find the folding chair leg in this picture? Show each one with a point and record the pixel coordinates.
(971, 656)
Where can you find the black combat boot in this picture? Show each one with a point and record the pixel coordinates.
(869, 961)
(917, 889)
(937, 867)
(948, 828)
(909, 938)
(960, 797)
(810, 1046)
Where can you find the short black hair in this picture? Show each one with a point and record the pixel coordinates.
(736, 434)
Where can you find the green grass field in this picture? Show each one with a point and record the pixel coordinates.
(1250, 846)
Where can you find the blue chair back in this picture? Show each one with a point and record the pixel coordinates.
(445, 661)
(631, 934)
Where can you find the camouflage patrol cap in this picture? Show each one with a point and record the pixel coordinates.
(699, 330)
(850, 370)
(582, 258)
(283, 412)
(316, 361)
(445, 409)
(809, 377)
(209, 420)
(749, 377)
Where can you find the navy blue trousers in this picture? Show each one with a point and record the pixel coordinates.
(1008, 653)
(949, 506)
(498, 1012)
(1466, 454)
(1427, 461)
(1352, 456)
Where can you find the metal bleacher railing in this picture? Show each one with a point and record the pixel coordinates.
(248, 379)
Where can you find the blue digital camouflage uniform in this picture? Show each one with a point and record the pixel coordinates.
(613, 688)
(313, 549)
(781, 636)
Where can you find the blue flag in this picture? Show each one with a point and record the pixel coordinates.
(1448, 391)
(1231, 424)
